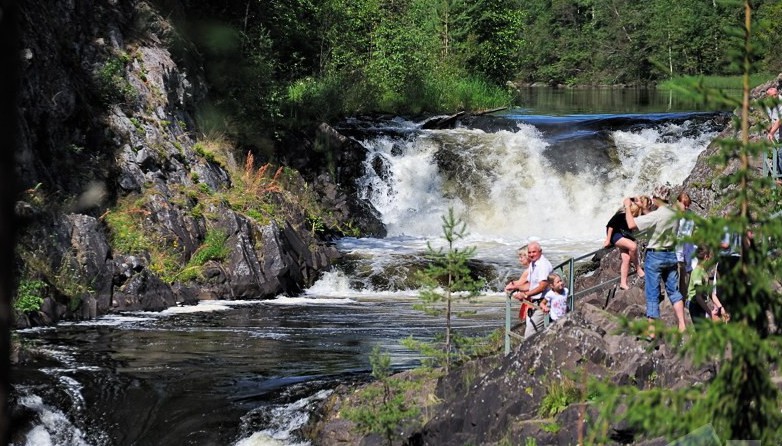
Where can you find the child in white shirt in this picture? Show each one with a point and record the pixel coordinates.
(555, 298)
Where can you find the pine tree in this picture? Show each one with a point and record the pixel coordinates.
(447, 280)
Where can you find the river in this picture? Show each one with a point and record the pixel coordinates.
(249, 373)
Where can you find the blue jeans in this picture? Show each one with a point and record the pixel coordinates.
(660, 266)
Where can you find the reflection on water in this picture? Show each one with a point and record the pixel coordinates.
(190, 377)
(606, 100)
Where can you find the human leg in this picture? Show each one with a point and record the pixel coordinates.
(779, 163)
(697, 313)
(626, 248)
(624, 269)
(534, 323)
(684, 276)
(652, 284)
(670, 276)
(635, 257)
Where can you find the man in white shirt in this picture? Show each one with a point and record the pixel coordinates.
(539, 269)
(660, 262)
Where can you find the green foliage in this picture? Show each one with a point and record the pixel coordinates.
(741, 402)
(383, 408)
(560, 393)
(274, 66)
(204, 152)
(716, 82)
(127, 235)
(213, 248)
(29, 295)
(445, 282)
(113, 87)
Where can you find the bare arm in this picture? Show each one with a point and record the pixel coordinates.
(717, 310)
(773, 130)
(519, 285)
(609, 233)
(629, 215)
(538, 289)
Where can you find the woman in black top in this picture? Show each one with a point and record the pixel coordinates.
(619, 234)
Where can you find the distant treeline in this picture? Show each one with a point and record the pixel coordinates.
(284, 62)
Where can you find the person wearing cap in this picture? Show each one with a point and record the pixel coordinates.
(660, 262)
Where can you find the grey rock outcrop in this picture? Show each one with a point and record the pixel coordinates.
(106, 121)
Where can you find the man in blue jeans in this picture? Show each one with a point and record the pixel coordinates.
(660, 262)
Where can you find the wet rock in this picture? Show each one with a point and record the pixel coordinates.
(143, 292)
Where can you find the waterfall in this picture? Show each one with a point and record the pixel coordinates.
(525, 181)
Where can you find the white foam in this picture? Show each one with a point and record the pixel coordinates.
(282, 300)
(514, 193)
(54, 427)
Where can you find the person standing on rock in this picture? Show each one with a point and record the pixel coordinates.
(774, 112)
(539, 270)
(685, 251)
(660, 262)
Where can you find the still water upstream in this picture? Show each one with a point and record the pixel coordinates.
(249, 373)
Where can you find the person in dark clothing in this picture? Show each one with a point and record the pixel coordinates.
(619, 234)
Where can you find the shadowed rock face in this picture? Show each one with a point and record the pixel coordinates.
(502, 401)
(107, 115)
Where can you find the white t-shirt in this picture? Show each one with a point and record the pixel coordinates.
(538, 272)
(557, 303)
(774, 113)
(686, 228)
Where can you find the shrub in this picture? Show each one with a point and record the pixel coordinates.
(28, 295)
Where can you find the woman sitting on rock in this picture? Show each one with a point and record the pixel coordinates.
(619, 234)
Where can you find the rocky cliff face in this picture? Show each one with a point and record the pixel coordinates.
(119, 194)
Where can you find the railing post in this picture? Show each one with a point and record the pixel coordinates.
(765, 165)
(571, 303)
(507, 324)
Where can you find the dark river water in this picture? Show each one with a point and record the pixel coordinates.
(249, 373)
(215, 374)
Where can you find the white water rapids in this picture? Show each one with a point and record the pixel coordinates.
(512, 186)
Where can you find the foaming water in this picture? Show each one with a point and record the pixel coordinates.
(54, 427)
(512, 179)
(520, 183)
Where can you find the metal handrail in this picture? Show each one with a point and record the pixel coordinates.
(572, 294)
(771, 169)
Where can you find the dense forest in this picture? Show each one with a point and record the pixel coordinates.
(278, 64)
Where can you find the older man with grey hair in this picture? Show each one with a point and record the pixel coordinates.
(539, 270)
